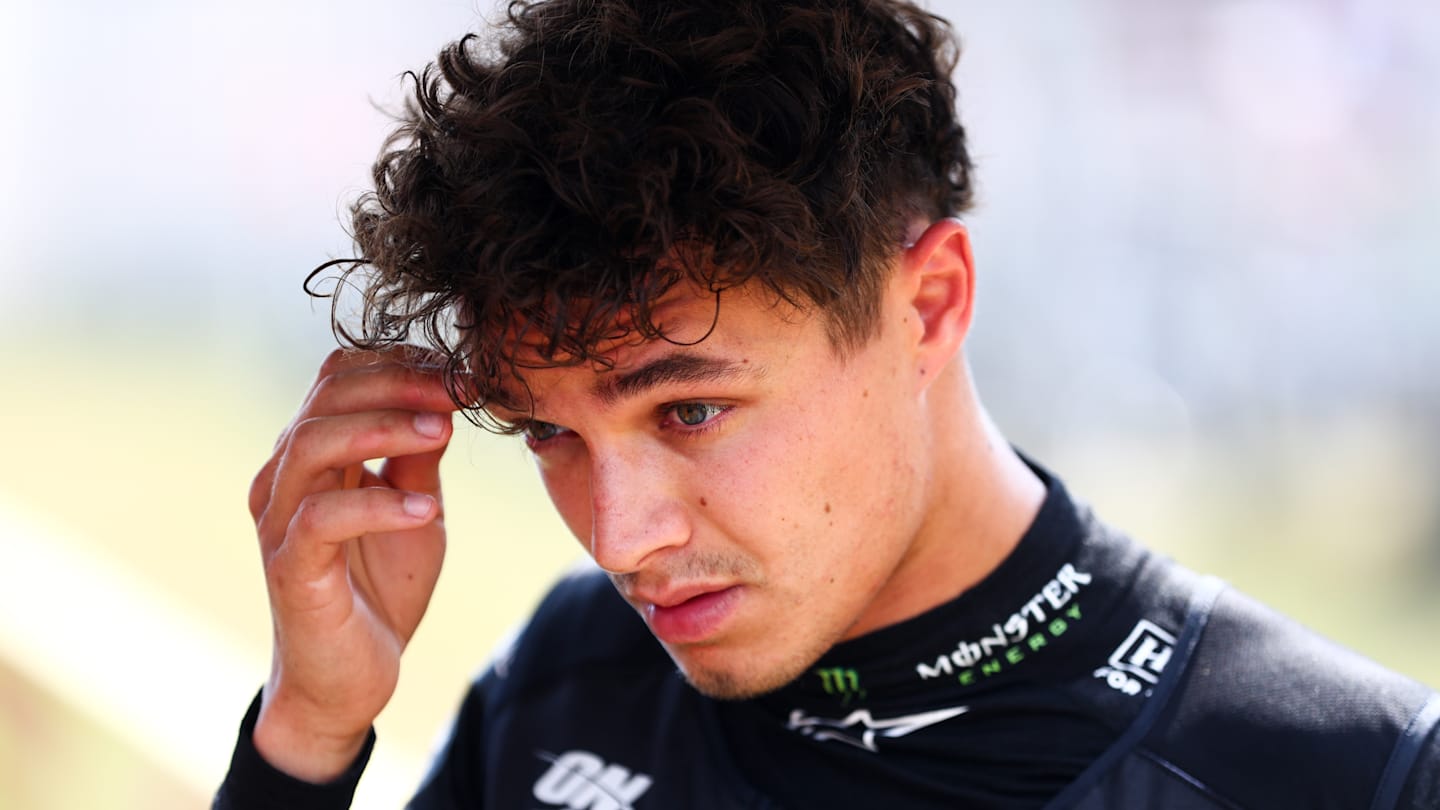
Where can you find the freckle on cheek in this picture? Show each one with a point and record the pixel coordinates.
(827, 508)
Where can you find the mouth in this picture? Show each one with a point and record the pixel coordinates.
(690, 615)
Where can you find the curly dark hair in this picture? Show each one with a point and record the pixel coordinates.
(545, 186)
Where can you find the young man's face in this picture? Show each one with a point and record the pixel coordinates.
(751, 495)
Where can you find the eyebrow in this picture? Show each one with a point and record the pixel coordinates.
(680, 367)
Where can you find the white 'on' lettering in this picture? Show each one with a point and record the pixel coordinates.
(580, 780)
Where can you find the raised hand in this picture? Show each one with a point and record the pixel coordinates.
(350, 571)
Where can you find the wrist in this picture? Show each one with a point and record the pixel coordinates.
(301, 747)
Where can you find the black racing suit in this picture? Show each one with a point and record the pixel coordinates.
(1084, 672)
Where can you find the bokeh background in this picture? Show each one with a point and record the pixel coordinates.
(1208, 237)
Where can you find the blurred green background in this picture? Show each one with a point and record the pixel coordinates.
(1208, 240)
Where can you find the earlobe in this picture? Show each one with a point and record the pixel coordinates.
(939, 267)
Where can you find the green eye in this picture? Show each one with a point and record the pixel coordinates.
(695, 413)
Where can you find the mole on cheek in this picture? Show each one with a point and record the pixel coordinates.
(703, 502)
(827, 508)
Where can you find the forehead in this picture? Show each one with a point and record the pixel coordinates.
(703, 336)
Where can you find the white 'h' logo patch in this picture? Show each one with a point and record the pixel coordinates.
(1145, 652)
(581, 780)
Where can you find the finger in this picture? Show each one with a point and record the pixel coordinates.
(321, 448)
(403, 359)
(377, 386)
(418, 472)
(354, 380)
(262, 486)
(404, 354)
(308, 570)
(329, 444)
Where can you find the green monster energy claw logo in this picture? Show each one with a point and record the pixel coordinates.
(842, 682)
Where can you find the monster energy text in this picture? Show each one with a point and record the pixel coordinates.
(1027, 630)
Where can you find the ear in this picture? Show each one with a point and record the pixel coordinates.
(938, 283)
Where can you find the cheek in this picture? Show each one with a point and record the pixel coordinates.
(568, 486)
(863, 457)
(746, 492)
(796, 483)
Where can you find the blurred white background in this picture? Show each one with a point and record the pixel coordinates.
(1208, 237)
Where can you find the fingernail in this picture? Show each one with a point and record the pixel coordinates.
(417, 505)
(429, 424)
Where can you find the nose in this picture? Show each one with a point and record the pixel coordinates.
(636, 510)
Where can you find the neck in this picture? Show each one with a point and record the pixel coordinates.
(981, 499)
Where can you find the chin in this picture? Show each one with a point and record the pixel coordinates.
(741, 680)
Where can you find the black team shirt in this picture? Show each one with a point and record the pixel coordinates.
(1084, 672)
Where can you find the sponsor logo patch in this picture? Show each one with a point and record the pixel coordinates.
(861, 730)
(1139, 660)
(1045, 617)
(841, 682)
(581, 780)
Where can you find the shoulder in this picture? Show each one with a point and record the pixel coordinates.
(1267, 710)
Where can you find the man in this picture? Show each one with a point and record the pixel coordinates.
(703, 257)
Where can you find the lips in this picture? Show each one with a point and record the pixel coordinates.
(690, 615)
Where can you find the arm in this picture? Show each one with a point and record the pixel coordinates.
(252, 782)
(349, 571)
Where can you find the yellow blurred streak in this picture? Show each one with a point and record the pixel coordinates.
(55, 758)
(147, 456)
